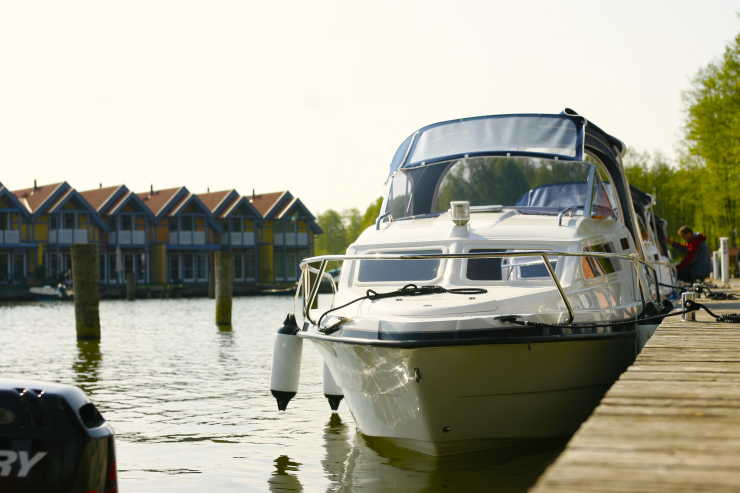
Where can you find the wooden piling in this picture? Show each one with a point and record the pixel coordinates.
(211, 277)
(86, 297)
(130, 286)
(224, 276)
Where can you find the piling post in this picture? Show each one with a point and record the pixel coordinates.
(715, 265)
(224, 275)
(724, 248)
(130, 286)
(86, 297)
(211, 277)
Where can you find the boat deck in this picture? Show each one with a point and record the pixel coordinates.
(672, 420)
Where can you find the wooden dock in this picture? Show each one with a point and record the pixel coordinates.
(671, 423)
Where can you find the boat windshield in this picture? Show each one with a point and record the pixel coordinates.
(528, 184)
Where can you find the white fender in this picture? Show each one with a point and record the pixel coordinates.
(286, 363)
(332, 391)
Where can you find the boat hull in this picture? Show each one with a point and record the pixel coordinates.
(450, 399)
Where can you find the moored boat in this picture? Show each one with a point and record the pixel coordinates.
(499, 294)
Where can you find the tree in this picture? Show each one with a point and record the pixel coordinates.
(713, 135)
(341, 230)
(334, 238)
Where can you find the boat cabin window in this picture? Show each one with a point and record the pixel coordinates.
(507, 268)
(399, 270)
(518, 268)
(484, 269)
(601, 206)
(599, 266)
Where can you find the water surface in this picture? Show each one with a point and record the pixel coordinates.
(192, 410)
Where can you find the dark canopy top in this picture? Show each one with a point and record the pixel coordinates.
(566, 136)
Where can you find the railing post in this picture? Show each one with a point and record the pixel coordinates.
(560, 288)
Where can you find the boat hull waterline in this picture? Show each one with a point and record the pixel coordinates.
(454, 399)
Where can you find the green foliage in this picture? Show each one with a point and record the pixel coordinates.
(713, 138)
(678, 198)
(340, 230)
(502, 180)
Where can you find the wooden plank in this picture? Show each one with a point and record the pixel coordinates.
(670, 423)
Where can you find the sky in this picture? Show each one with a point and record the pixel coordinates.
(314, 97)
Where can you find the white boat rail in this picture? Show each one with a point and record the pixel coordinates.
(310, 280)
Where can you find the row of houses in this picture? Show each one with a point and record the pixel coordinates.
(164, 237)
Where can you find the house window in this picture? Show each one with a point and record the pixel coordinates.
(142, 268)
(172, 223)
(186, 223)
(53, 264)
(67, 264)
(4, 267)
(19, 267)
(200, 266)
(187, 266)
(128, 263)
(69, 220)
(54, 222)
(280, 266)
(112, 270)
(238, 266)
(4, 221)
(235, 224)
(174, 267)
(250, 265)
(127, 223)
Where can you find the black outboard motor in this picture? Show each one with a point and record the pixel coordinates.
(53, 439)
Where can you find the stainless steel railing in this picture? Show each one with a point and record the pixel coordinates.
(311, 277)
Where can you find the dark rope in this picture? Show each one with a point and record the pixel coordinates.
(725, 317)
(407, 290)
(704, 290)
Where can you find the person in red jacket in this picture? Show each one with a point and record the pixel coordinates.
(696, 264)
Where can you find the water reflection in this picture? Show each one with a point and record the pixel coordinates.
(283, 477)
(375, 465)
(87, 365)
(338, 448)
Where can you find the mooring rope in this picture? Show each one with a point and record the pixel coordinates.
(407, 290)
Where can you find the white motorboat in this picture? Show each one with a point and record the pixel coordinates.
(498, 295)
(59, 292)
(654, 243)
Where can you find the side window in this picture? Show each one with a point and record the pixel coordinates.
(598, 266)
(484, 269)
(601, 206)
(399, 270)
(604, 202)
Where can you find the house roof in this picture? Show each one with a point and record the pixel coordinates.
(158, 200)
(214, 200)
(223, 203)
(36, 197)
(265, 202)
(99, 197)
(14, 200)
(297, 205)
